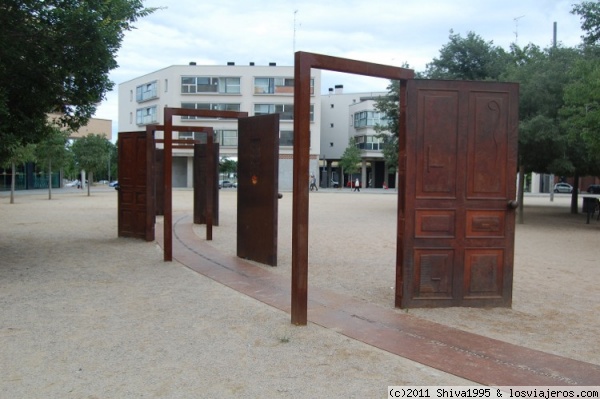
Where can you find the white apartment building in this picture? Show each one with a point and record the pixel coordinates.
(254, 89)
(346, 115)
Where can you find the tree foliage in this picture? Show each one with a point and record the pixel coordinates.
(52, 151)
(388, 106)
(351, 158)
(91, 154)
(581, 110)
(468, 58)
(589, 13)
(55, 57)
(227, 166)
(542, 80)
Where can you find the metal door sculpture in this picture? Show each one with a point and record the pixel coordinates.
(203, 176)
(258, 174)
(484, 254)
(135, 202)
(456, 212)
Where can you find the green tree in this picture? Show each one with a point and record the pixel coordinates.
(227, 166)
(469, 58)
(589, 13)
(19, 155)
(113, 162)
(52, 151)
(544, 146)
(90, 153)
(70, 168)
(55, 57)
(581, 110)
(351, 159)
(580, 119)
(389, 105)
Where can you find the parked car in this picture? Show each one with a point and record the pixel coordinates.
(74, 183)
(563, 188)
(225, 184)
(594, 189)
(113, 183)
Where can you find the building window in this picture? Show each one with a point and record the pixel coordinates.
(227, 138)
(369, 143)
(286, 138)
(285, 111)
(267, 85)
(369, 119)
(147, 91)
(208, 84)
(210, 106)
(166, 85)
(198, 136)
(145, 116)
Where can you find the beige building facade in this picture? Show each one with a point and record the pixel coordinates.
(254, 89)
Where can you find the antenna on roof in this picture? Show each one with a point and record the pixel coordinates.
(516, 19)
(294, 44)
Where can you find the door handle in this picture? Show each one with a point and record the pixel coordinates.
(512, 204)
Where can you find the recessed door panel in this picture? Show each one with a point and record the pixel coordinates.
(483, 273)
(433, 273)
(436, 143)
(487, 145)
(435, 223)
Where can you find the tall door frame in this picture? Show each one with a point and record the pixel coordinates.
(303, 63)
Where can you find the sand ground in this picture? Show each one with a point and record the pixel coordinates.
(88, 315)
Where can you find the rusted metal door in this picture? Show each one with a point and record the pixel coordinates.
(136, 200)
(201, 181)
(258, 174)
(159, 188)
(458, 184)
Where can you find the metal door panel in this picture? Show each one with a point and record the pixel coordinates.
(136, 202)
(258, 182)
(456, 230)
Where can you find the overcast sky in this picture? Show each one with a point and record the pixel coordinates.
(391, 32)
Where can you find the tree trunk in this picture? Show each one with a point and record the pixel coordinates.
(49, 179)
(521, 193)
(90, 180)
(12, 184)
